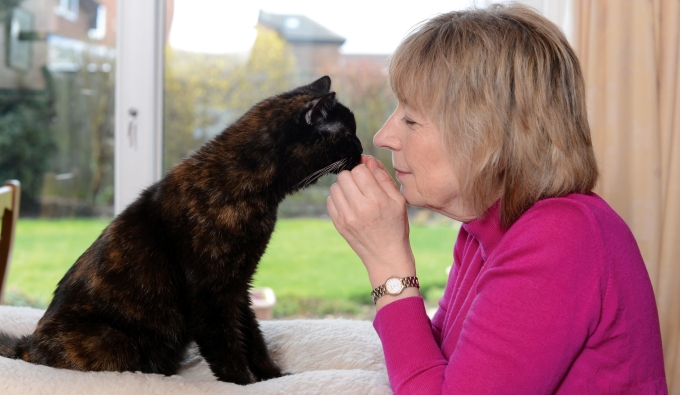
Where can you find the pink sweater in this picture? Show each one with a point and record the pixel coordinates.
(561, 303)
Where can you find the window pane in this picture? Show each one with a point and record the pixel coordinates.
(57, 105)
(222, 58)
(57, 69)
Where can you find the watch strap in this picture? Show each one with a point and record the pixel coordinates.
(406, 282)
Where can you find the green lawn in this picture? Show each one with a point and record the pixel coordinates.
(44, 250)
(307, 263)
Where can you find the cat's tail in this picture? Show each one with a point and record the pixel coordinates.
(12, 346)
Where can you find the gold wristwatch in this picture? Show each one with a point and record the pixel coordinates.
(394, 286)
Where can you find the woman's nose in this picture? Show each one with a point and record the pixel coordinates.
(386, 137)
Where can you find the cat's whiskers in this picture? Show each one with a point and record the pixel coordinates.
(319, 173)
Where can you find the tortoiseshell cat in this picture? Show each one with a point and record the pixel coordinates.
(176, 265)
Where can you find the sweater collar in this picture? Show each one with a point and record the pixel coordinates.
(487, 229)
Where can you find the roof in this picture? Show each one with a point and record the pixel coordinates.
(299, 29)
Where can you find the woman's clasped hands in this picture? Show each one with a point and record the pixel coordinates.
(368, 210)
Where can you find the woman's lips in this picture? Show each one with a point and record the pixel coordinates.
(400, 173)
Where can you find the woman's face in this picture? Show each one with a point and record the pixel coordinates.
(423, 167)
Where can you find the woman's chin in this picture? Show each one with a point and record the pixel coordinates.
(412, 199)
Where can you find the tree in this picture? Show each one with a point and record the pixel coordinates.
(204, 92)
(97, 77)
(178, 110)
(25, 144)
(270, 70)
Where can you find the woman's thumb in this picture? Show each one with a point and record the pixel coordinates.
(379, 172)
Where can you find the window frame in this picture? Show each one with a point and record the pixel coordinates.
(139, 90)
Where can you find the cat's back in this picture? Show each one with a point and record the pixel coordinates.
(128, 273)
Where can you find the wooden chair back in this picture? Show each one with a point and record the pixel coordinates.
(9, 212)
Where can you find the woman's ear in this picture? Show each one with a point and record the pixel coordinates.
(319, 107)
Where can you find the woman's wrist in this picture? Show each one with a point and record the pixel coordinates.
(387, 299)
(401, 265)
(378, 278)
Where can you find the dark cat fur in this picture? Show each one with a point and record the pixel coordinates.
(176, 265)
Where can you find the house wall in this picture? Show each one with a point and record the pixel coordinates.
(32, 78)
(46, 20)
(312, 58)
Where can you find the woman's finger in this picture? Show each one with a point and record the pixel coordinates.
(369, 161)
(378, 170)
(332, 210)
(366, 182)
(383, 178)
(339, 199)
(352, 194)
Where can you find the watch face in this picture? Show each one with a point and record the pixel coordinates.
(394, 285)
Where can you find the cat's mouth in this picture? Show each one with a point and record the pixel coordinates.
(335, 168)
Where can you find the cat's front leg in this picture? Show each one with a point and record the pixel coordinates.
(259, 360)
(216, 331)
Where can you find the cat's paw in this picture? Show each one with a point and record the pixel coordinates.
(280, 374)
(239, 377)
(265, 369)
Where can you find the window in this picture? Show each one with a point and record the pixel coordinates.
(98, 24)
(68, 9)
(184, 94)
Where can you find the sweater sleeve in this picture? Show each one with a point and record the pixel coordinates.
(535, 303)
(415, 363)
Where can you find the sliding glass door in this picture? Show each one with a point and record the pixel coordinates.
(188, 68)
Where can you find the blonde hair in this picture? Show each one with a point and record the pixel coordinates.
(506, 91)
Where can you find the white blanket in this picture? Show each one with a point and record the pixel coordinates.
(324, 357)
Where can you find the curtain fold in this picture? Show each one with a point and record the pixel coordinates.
(630, 55)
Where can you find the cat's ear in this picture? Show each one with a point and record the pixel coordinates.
(319, 107)
(322, 85)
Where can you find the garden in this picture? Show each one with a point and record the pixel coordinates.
(310, 267)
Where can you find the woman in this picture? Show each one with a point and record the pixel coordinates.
(548, 292)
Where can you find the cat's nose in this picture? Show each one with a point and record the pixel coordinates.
(357, 144)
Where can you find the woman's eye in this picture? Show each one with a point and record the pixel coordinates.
(408, 121)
